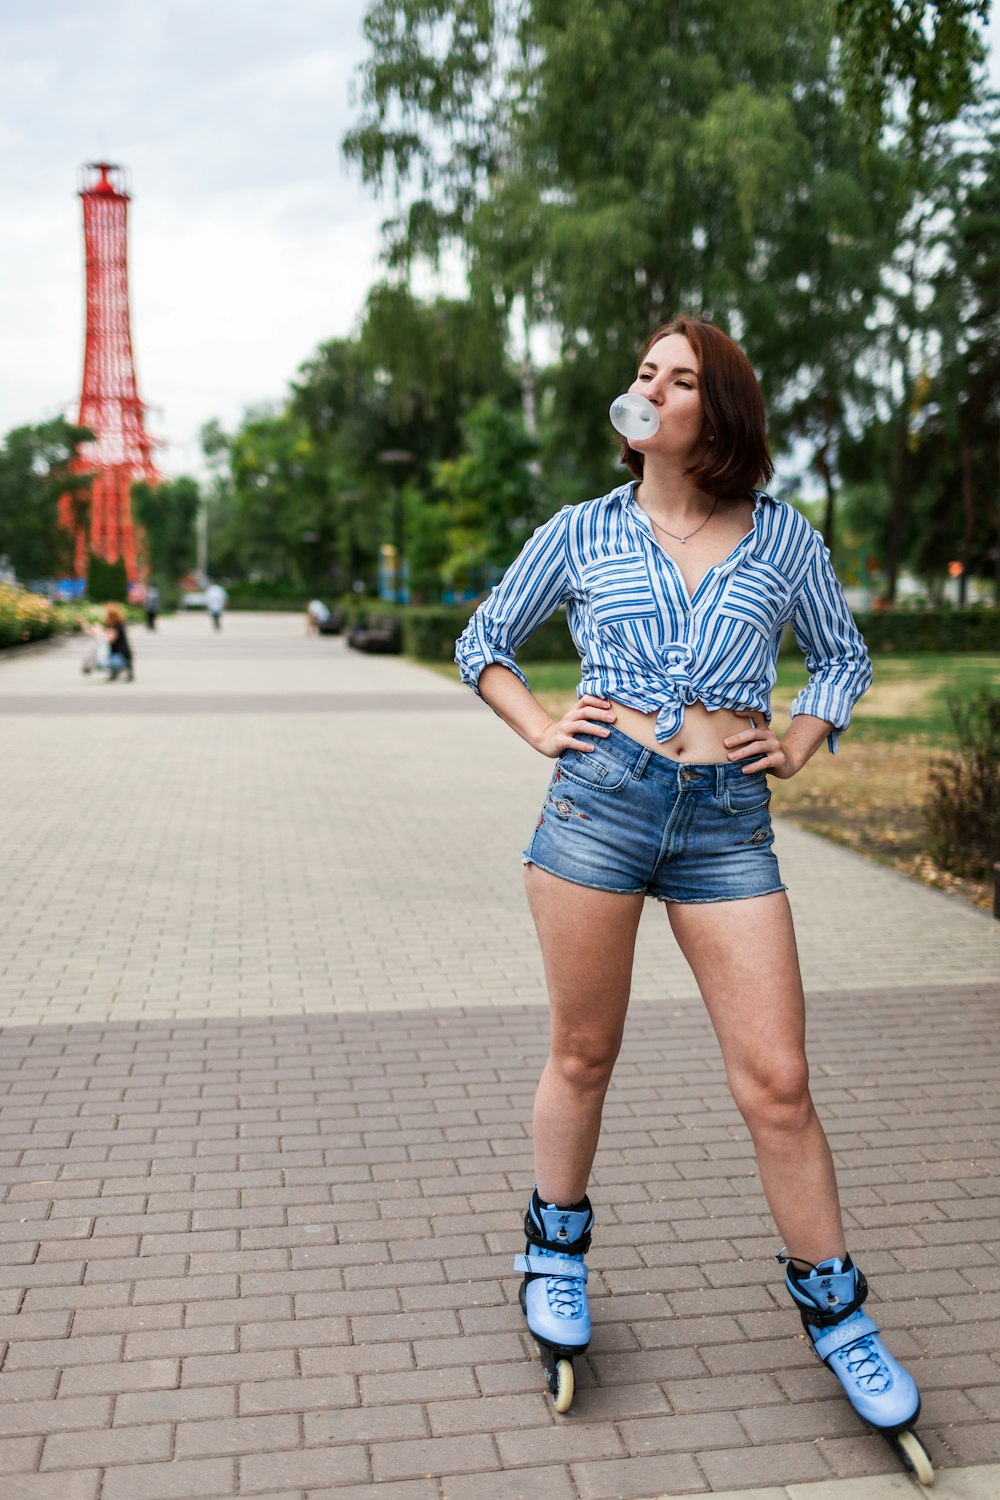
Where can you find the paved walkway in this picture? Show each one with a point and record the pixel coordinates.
(272, 1021)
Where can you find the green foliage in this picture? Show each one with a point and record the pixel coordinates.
(908, 631)
(926, 51)
(488, 497)
(168, 513)
(963, 808)
(34, 472)
(430, 633)
(107, 582)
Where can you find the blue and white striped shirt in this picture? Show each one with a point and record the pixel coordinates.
(645, 642)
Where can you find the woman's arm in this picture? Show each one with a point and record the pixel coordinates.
(779, 757)
(513, 702)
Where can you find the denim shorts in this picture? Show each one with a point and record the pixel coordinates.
(622, 818)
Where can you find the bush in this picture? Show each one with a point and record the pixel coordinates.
(25, 617)
(267, 595)
(430, 633)
(963, 810)
(940, 630)
(107, 582)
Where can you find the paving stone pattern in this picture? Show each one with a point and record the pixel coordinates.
(273, 1026)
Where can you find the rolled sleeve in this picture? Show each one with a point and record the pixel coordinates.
(532, 589)
(839, 666)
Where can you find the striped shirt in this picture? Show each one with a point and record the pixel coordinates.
(647, 643)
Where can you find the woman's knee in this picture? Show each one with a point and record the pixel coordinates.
(775, 1097)
(585, 1063)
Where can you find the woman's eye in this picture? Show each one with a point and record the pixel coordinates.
(685, 385)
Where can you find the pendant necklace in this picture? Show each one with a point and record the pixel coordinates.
(683, 539)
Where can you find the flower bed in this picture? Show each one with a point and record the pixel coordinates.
(25, 617)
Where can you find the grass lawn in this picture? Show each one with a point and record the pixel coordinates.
(870, 795)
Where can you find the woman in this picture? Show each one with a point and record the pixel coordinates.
(677, 587)
(120, 659)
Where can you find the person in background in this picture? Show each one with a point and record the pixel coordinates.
(152, 604)
(120, 659)
(216, 599)
(317, 614)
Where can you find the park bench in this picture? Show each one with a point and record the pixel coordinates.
(378, 634)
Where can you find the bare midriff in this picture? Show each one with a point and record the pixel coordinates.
(699, 738)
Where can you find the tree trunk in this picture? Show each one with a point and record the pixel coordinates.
(996, 560)
(825, 466)
(969, 517)
(898, 494)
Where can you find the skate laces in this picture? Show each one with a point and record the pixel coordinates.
(566, 1294)
(865, 1365)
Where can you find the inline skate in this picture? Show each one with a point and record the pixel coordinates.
(553, 1294)
(829, 1299)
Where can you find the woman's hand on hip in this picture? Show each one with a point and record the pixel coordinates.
(587, 716)
(761, 748)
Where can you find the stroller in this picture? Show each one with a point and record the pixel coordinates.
(98, 656)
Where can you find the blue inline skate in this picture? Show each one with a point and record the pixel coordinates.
(553, 1293)
(829, 1298)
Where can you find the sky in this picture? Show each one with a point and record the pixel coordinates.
(250, 240)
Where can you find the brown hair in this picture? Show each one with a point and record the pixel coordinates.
(114, 615)
(737, 458)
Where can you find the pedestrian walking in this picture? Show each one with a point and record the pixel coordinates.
(216, 600)
(677, 587)
(152, 604)
(120, 657)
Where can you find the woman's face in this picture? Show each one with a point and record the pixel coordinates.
(668, 377)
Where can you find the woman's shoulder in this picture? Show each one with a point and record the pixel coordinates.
(587, 517)
(782, 528)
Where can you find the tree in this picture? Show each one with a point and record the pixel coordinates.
(168, 514)
(35, 470)
(634, 161)
(488, 497)
(910, 61)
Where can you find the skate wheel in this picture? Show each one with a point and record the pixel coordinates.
(915, 1456)
(563, 1385)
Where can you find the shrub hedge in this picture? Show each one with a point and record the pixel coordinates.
(430, 632)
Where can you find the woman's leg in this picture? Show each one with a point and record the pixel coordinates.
(743, 956)
(587, 939)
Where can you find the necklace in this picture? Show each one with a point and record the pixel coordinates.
(682, 539)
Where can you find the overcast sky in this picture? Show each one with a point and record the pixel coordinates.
(250, 243)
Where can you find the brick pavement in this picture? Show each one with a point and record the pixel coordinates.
(273, 1026)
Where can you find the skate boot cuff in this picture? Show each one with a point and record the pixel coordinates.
(536, 1237)
(817, 1317)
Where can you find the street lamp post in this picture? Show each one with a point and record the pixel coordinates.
(395, 459)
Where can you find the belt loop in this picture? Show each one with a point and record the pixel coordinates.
(641, 764)
(720, 778)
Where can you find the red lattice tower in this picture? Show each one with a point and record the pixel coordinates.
(109, 403)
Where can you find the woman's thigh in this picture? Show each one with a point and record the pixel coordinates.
(587, 938)
(744, 958)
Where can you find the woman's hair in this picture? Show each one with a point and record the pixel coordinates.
(737, 458)
(114, 615)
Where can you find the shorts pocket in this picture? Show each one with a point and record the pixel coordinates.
(751, 794)
(596, 769)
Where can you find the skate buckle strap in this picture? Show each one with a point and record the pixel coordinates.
(550, 1265)
(843, 1335)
